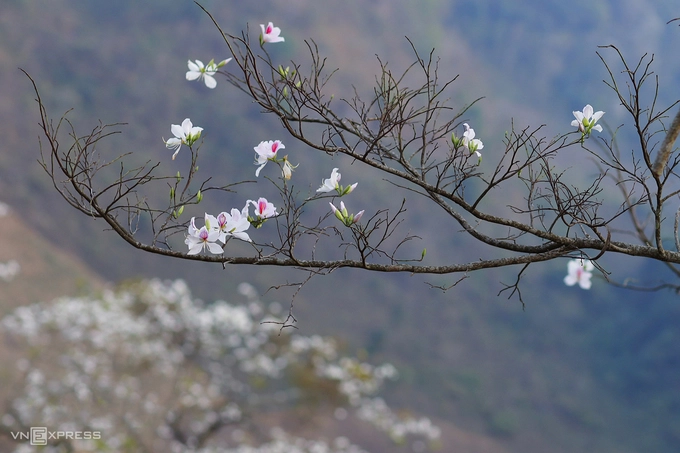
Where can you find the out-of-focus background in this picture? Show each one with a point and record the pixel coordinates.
(570, 371)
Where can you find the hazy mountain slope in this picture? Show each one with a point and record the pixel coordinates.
(46, 271)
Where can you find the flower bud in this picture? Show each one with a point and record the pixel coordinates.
(343, 209)
(457, 142)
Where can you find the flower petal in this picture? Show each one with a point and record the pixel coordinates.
(186, 127)
(214, 248)
(177, 131)
(588, 111)
(257, 172)
(193, 66)
(210, 81)
(193, 75)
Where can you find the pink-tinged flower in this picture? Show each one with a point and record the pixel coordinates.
(333, 183)
(266, 151)
(185, 134)
(270, 33)
(198, 71)
(579, 271)
(219, 223)
(344, 216)
(238, 223)
(197, 240)
(585, 120)
(263, 208)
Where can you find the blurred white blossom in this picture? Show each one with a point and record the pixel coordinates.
(149, 363)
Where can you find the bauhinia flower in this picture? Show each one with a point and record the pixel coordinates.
(219, 223)
(579, 271)
(266, 151)
(333, 183)
(469, 142)
(197, 240)
(586, 120)
(270, 33)
(185, 134)
(344, 216)
(198, 71)
(287, 168)
(238, 223)
(263, 208)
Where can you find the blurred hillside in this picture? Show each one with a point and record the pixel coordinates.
(574, 371)
(45, 271)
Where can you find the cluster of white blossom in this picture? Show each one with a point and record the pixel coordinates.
(235, 223)
(283, 442)
(150, 366)
(225, 225)
(9, 270)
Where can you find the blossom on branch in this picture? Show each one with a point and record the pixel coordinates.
(333, 183)
(219, 223)
(287, 168)
(197, 71)
(344, 216)
(197, 240)
(579, 271)
(185, 134)
(469, 142)
(238, 223)
(586, 120)
(266, 151)
(270, 33)
(263, 208)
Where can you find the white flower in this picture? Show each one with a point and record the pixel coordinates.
(218, 223)
(287, 168)
(198, 71)
(579, 271)
(238, 223)
(263, 208)
(266, 151)
(585, 121)
(197, 240)
(470, 142)
(333, 183)
(270, 33)
(185, 134)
